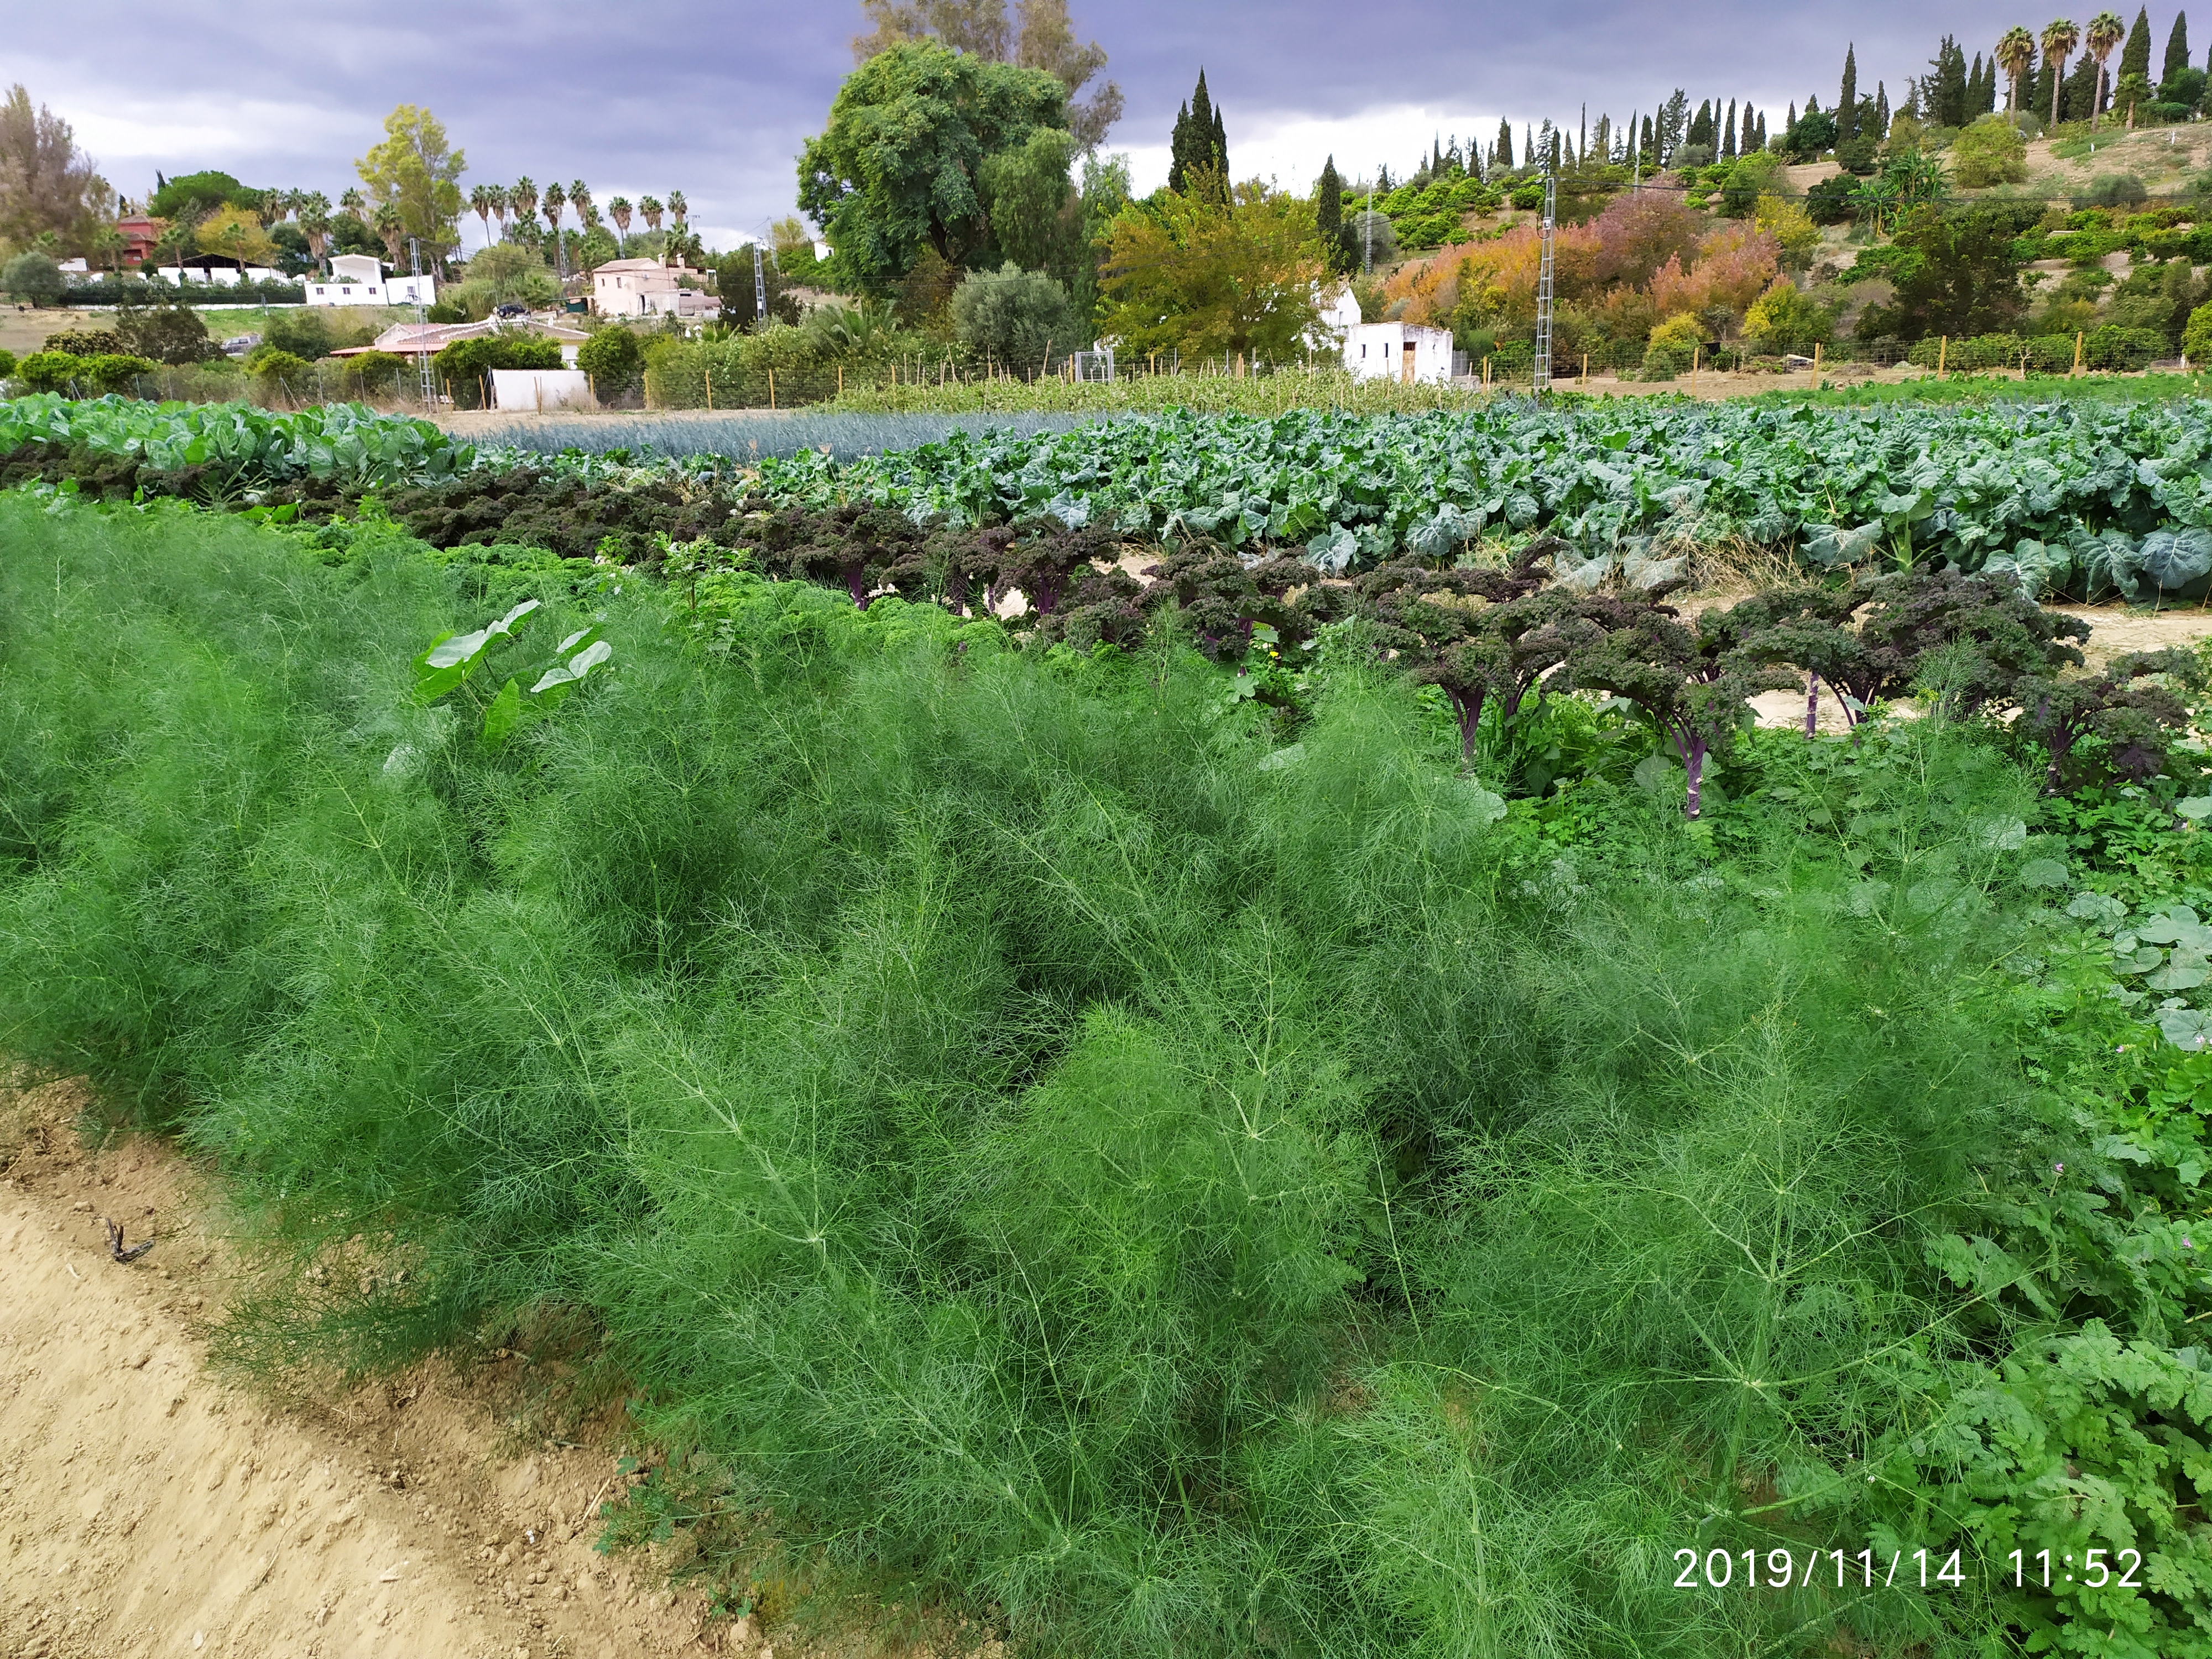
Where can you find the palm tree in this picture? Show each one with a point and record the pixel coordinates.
(2105, 32)
(352, 203)
(2058, 43)
(522, 197)
(109, 241)
(315, 221)
(580, 197)
(550, 204)
(499, 208)
(2015, 51)
(650, 207)
(677, 207)
(480, 198)
(392, 228)
(619, 210)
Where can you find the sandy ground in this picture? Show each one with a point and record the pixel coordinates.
(147, 1509)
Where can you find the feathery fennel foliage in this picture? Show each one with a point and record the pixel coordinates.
(1197, 1208)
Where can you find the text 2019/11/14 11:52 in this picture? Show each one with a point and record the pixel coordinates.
(1779, 1568)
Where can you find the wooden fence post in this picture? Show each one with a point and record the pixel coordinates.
(1943, 355)
(1816, 365)
(2077, 354)
(771, 388)
(707, 372)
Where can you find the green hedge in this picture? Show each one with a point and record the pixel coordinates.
(466, 366)
(2106, 348)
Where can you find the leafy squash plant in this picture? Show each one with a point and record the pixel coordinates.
(451, 662)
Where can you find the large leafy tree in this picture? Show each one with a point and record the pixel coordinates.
(417, 173)
(1207, 276)
(1962, 281)
(47, 185)
(900, 166)
(1041, 37)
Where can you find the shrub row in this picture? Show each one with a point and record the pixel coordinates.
(2109, 347)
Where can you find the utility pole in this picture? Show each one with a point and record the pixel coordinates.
(760, 285)
(430, 373)
(1367, 224)
(1635, 149)
(1543, 375)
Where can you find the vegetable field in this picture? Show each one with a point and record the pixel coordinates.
(1209, 1110)
(2081, 497)
(2068, 494)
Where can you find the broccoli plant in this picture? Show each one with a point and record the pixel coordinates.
(1692, 681)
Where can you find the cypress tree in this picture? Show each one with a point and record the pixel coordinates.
(1504, 156)
(1728, 133)
(1847, 103)
(2177, 47)
(1974, 88)
(1948, 97)
(2135, 57)
(1329, 213)
(1220, 147)
(1528, 157)
(2080, 98)
(1701, 126)
(1179, 149)
(1650, 145)
(2038, 101)
(1880, 113)
(1762, 131)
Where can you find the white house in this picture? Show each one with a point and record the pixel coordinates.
(646, 288)
(358, 279)
(1398, 351)
(1340, 312)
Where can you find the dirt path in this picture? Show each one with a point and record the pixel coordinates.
(147, 1509)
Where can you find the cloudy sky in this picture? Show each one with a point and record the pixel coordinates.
(715, 99)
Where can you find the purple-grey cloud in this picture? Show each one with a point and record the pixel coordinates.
(716, 100)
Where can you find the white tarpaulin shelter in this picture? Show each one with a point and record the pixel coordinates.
(540, 388)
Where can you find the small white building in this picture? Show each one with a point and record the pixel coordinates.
(646, 288)
(358, 279)
(1398, 351)
(541, 389)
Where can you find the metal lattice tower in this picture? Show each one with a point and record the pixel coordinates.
(1543, 377)
(430, 373)
(760, 286)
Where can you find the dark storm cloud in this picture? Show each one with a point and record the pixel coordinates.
(716, 100)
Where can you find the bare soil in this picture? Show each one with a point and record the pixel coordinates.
(147, 1507)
